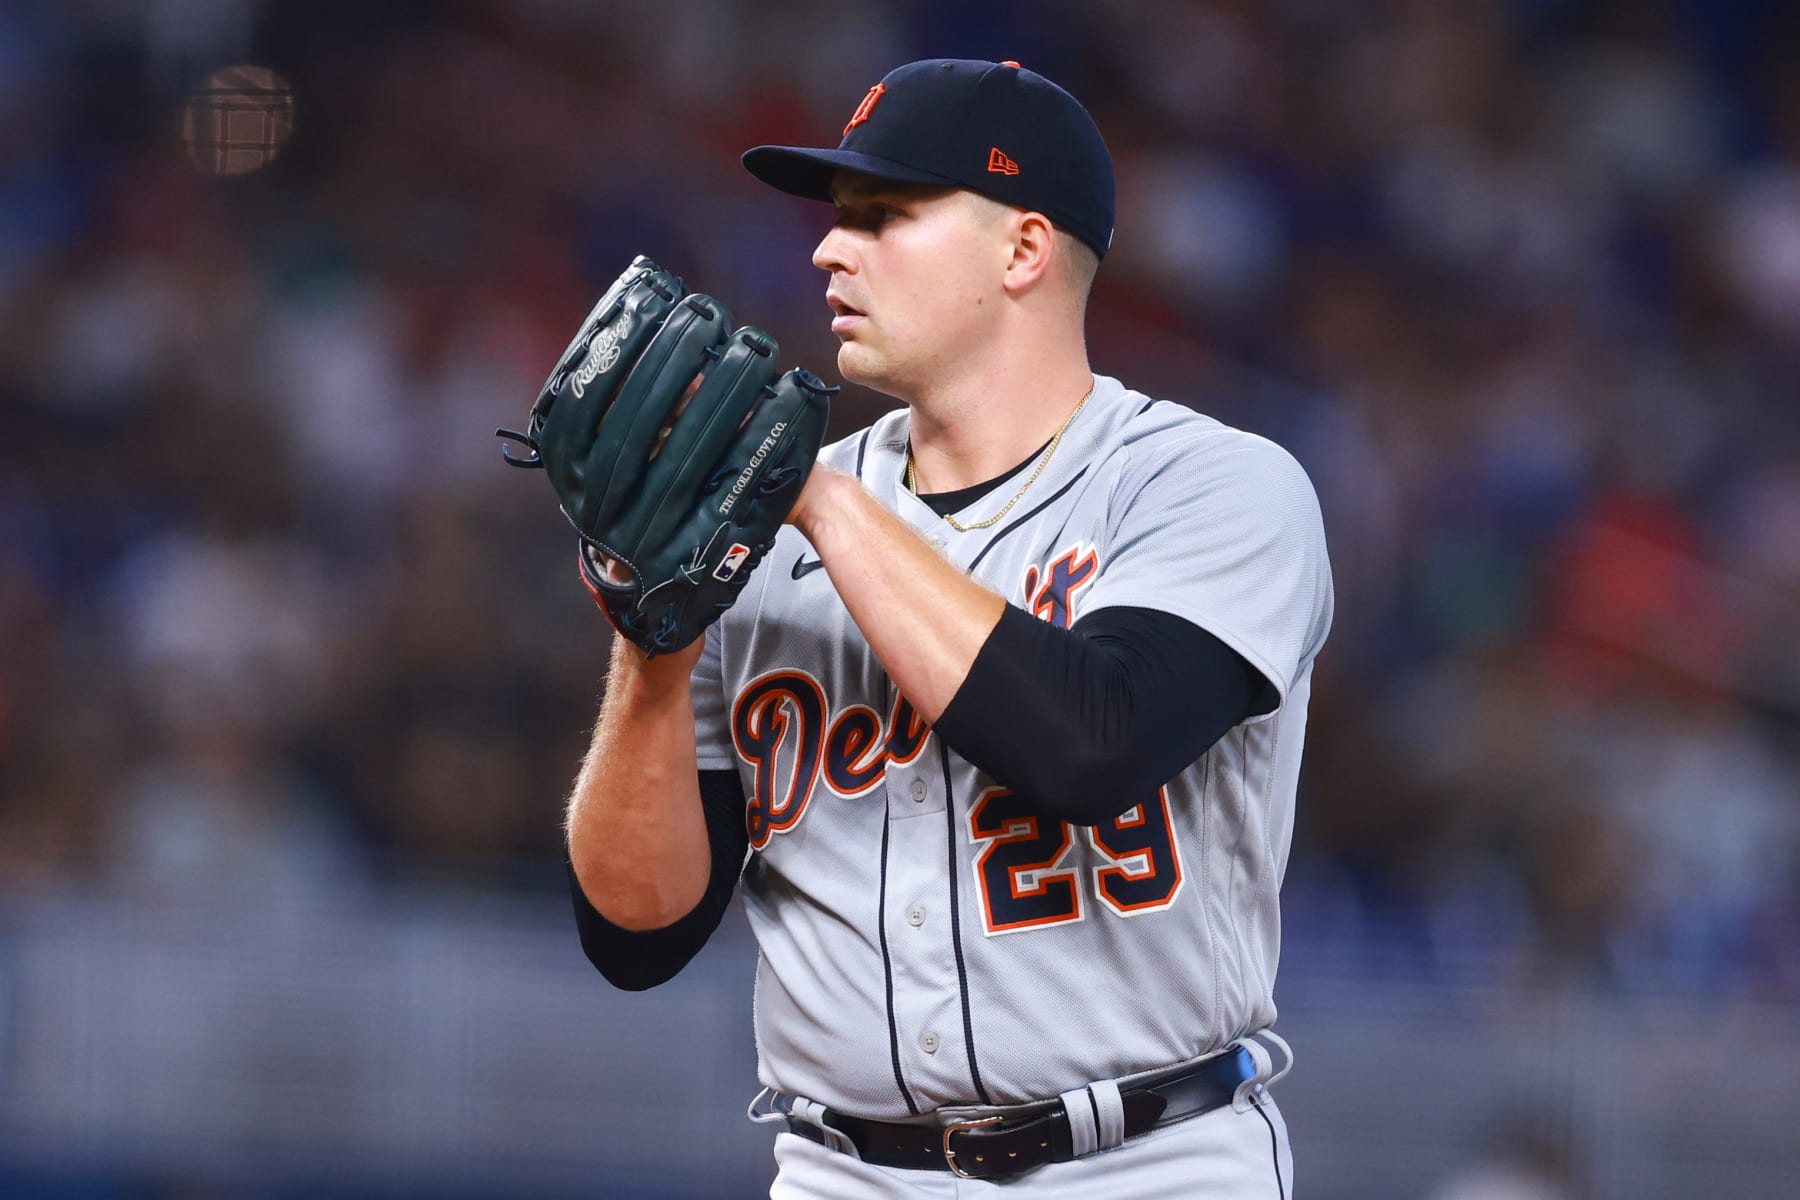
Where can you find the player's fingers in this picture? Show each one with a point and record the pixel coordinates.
(675, 414)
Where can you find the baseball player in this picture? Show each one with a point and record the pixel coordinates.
(1002, 737)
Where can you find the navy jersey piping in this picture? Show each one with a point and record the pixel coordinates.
(887, 977)
(1274, 1151)
(962, 973)
(1026, 519)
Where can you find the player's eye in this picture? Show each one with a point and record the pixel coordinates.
(869, 217)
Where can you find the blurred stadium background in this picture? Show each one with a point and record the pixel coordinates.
(293, 673)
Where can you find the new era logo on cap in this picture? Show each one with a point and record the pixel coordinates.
(999, 164)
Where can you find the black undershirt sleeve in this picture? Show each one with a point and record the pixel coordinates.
(638, 959)
(1088, 722)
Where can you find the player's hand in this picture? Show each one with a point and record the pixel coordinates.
(818, 497)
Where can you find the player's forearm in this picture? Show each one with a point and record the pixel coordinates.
(924, 619)
(637, 832)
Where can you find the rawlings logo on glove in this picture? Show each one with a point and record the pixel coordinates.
(650, 410)
(603, 357)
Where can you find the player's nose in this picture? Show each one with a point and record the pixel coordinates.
(835, 252)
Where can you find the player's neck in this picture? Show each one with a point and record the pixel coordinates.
(984, 423)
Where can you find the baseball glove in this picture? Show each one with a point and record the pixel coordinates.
(674, 450)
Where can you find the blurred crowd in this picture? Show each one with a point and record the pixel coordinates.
(1517, 280)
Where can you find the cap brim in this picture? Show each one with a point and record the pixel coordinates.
(800, 171)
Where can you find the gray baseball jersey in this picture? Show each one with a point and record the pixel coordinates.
(927, 939)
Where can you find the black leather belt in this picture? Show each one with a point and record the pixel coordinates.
(1000, 1146)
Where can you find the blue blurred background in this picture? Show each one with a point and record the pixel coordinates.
(294, 674)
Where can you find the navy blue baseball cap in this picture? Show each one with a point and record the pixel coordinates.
(994, 128)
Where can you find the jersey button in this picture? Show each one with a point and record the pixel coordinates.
(928, 1042)
(918, 790)
(915, 916)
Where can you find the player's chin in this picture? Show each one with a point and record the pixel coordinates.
(858, 364)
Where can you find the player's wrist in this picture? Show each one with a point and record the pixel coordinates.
(643, 680)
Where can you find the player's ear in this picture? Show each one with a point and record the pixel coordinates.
(1033, 249)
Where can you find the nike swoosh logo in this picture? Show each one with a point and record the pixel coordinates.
(803, 567)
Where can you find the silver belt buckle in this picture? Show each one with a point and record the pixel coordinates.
(958, 1127)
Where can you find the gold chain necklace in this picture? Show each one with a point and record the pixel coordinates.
(912, 480)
